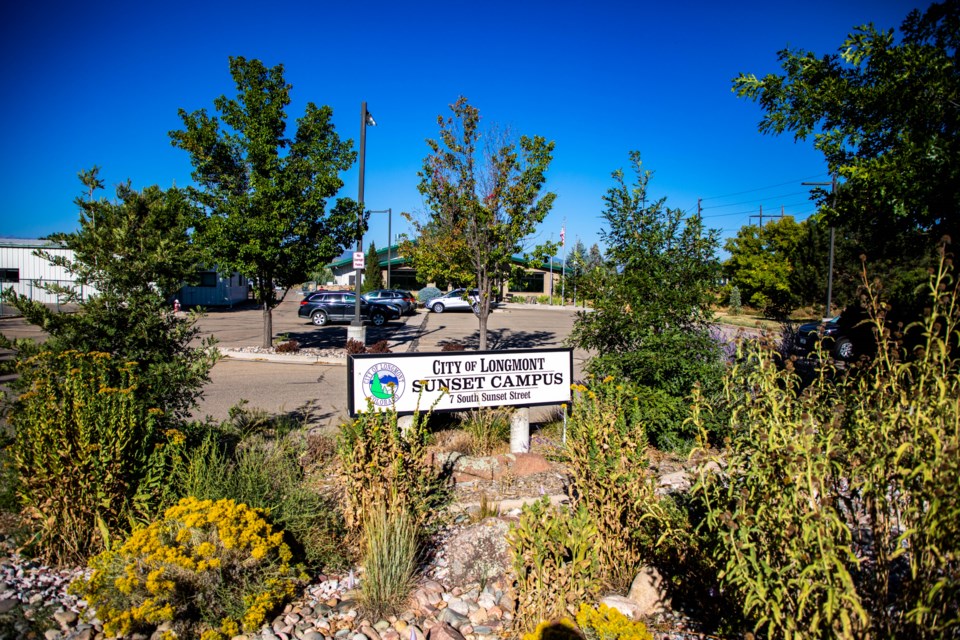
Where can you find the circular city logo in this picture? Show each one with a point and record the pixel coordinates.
(383, 383)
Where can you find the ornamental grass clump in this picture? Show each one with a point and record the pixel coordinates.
(837, 513)
(391, 544)
(212, 569)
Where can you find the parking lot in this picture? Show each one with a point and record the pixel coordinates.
(317, 391)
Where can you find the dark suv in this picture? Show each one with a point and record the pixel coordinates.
(333, 306)
(846, 337)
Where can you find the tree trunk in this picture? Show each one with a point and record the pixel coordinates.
(267, 326)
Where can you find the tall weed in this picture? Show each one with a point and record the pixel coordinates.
(838, 513)
(381, 463)
(90, 454)
(488, 428)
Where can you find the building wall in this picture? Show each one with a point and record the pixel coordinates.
(215, 290)
(26, 272)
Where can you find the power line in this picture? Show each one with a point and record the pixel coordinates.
(774, 197)
(737, 193)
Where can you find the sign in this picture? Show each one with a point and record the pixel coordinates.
(458, 380)
(358, 260)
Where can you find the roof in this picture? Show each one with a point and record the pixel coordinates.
(397, 260)
(30, 243)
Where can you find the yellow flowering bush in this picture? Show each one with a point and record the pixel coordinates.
(606, 623)
(210, 567)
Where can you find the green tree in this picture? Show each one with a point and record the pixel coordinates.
(485, 201)
(372, 275)
(764, 264)
(264, 193)
(576, 265)
(134, 252)
(883, 111)
(651, 319)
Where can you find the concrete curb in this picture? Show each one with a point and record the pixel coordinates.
(288, 358)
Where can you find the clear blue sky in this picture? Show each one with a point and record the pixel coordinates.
(101, 82)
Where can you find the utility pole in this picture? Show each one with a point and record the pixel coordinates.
(759, 216)
(833, 201)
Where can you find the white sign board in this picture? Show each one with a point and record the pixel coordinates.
(358, 260)
(458, 380)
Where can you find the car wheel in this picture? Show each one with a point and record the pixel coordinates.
(378, 319)
(844, 349)
(438, 308)
(320, 318)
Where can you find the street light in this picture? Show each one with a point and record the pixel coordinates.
(833, 190)
(366, 119)
(389, 213)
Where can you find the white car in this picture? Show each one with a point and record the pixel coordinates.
(456, 300)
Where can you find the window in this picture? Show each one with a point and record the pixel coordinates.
(9, 275)
(531, 282)
(208, 278)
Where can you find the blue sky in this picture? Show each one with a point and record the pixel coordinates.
(101, 83)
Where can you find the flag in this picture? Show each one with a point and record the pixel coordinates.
(561, 237)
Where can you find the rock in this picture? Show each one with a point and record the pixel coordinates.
(495, 612)
(381, 625)
(359, 636)
(483, 631)
(52, 634)
(87, 634)
(458, 605)
(444, 632)
(65, 618)
(625, 606)
(313, 635)
(478, 552)
(370, 632)
(486, 600)
(648, 592)
(479, 616)
(400, 626)
(678, 481)
(390, 635)
(432, 585)
(8, 604)
(452, 618)
(415, 633)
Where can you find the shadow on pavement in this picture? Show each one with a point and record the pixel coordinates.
(498, 339)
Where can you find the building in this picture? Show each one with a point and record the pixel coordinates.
(27, 272)
(214, 289)
(538, 279)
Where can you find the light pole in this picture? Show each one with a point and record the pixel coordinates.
(356, 327)
(389, 213)
(833, 190)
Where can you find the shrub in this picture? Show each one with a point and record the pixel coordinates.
(427, 294)
(90, 454)
(833, 517)
(606, 623)
(210, 568)
(355, 346)
(288, 346)
(267, 475)
(379, 462)
(554, 558)
(452, 346)
(488, 428)
(736, 306)
(390, 560)
(381, 346)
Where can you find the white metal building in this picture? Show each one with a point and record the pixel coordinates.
(25, 271)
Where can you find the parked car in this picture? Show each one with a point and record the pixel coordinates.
(846, 336)
(330, 306)
(456, 300)
(403, 300)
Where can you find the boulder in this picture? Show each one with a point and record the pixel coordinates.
(649, 592)
(478, 553)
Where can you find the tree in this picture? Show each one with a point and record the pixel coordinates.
(576, 263)
(484, 202)
(135, 252)
(771, 265)
(651, 319)
(264, 193)
(372, 275)
(884, 114)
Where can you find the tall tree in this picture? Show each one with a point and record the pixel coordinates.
(651, 315)
(883, 111)
(372, 274)
(265, 193)
(489, 199)
(135, 252)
